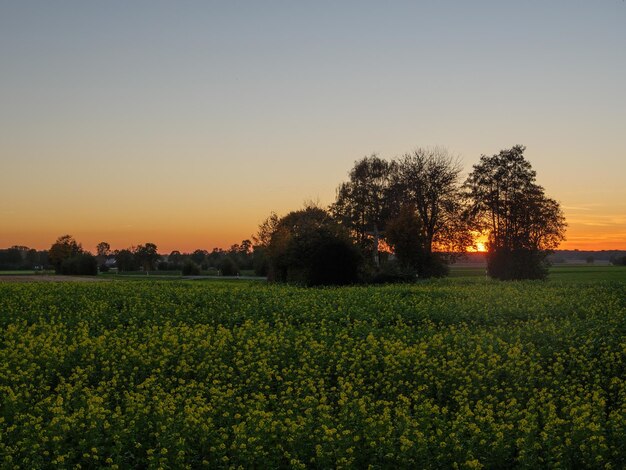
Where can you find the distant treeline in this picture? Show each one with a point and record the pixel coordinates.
(392, 221)
(239, 256)
(67, 256)
(23, 258)
(589, 256)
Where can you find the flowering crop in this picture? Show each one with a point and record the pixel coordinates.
(444, 374)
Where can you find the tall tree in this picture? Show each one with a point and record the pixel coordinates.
(522, 223)
(261, 241)
(103, 250)
(363, 204)
(429, 180)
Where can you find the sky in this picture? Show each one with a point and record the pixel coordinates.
(187, 123)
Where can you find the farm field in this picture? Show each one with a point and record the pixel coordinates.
(460, 372)
(559, 273)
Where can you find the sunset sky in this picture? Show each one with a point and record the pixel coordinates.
(186, 123)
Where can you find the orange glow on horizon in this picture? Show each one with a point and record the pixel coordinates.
(190, 240)
(173, 229)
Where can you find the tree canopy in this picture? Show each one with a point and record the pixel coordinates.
(523, 224)
(309, 247)
(380, 192)
(63, 248)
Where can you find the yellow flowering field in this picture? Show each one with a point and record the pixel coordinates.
(442, 374)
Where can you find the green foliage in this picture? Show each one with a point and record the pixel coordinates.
(441, 374)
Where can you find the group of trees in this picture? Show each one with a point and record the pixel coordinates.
(22, 257)
(227, 262)
(144, 257)
(418, 209)
(522, 223)
(392, 220)
(67, 256)
(308, 247)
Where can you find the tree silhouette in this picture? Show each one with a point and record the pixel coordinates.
(429, 180)
(63, 248)
(363, 203)
(522, 223)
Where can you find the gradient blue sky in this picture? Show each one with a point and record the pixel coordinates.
(186, 123)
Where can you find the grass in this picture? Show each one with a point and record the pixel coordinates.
(568, 274)
(557, 273)
(588, 273)
(25, 272)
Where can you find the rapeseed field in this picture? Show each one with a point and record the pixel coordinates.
(443, 374)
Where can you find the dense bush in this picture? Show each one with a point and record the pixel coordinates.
(190, 268)
(520, 264)
(310, 248)
(227, 267)
(260, 263)
(62, 250)
(319, 258)
(103, 268)
(83, 264)
(163, 266)
(390, 272)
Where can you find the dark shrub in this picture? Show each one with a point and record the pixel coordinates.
(103, 268)
(163, 266)
(320, 257)
(392, 272)
(308, 247)
(260, 261)
(228, 267)
(509, 265)
(332, 260)
(190, 268)
(432, 265)
(618, 261)
(84, 264)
